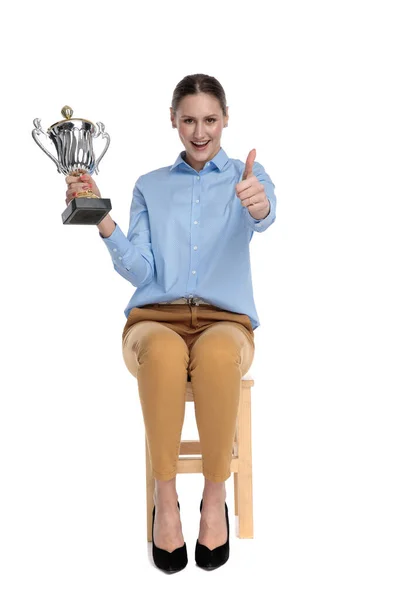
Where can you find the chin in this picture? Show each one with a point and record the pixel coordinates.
(201, 155)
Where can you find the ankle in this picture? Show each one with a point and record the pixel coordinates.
(165, 493)
(214, 492)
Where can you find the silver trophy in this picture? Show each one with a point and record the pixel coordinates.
(73, 141)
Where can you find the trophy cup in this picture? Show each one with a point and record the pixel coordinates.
(73, 141)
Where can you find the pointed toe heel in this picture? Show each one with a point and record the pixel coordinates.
(212, 559)
(170, 562)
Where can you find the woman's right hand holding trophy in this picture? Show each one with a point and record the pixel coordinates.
(85, 183)
(80, 183)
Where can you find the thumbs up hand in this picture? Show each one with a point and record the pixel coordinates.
(251, 191)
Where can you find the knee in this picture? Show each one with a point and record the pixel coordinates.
(164, 346)
(218, 354)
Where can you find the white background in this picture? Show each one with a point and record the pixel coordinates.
(313, 86)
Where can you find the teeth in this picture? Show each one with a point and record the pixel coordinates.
(200, 143)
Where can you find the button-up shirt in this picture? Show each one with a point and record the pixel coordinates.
(189, 236)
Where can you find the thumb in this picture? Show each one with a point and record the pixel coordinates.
(248, 169)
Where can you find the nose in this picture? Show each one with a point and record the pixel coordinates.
(199, 131)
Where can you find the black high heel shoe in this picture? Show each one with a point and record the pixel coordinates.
(170, 562)
(212, 559)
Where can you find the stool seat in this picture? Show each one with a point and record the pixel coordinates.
(190, 461)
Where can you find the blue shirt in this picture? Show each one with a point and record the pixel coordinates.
(189, 236)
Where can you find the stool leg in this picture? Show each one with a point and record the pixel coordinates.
(235, 475)
(235, 487)
(245, 473)
(149, 494)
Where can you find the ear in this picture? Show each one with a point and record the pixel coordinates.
(226, 118)
(172, 116)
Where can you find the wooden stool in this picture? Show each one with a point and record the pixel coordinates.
(241, 464)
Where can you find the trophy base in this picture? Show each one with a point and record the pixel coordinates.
(86, 211)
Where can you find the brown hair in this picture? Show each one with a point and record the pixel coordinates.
(195, 84)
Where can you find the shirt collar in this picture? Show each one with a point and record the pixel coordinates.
(219, 160)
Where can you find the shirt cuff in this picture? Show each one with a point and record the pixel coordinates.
(119, 247)
(261, 224)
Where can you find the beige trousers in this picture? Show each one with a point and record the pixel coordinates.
(165, 344)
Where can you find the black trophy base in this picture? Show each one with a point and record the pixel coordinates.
(86, 211)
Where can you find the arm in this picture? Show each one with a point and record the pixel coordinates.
(132, 254)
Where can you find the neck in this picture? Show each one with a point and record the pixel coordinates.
(196, 164)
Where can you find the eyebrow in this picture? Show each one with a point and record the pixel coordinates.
(190, 117)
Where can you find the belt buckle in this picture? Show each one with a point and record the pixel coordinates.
(193, 301)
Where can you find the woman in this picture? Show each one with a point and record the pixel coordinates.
(192, 313)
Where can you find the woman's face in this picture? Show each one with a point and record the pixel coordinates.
(199, 118)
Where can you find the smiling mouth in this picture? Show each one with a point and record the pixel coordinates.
(200, 146)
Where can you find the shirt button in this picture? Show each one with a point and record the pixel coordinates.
(120, 257)
(198, 176)
(194, 272)
(207, 164)
(114, 249)
(194, 247)
(195, 222)
(190, 295)
(197, 201)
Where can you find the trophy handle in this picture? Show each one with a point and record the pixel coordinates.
(104, 134)
(35, 134)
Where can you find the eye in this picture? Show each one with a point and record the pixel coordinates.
(211, 119)
(186, 120)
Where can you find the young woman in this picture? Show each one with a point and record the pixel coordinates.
(192, 313)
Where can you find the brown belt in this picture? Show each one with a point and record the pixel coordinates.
(192, 301)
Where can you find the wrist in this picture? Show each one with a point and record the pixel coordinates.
(106, 226)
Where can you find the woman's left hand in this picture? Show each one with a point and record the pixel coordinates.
(251, 191)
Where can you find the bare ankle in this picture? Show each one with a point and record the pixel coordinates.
(165, 491)
(214, 491)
